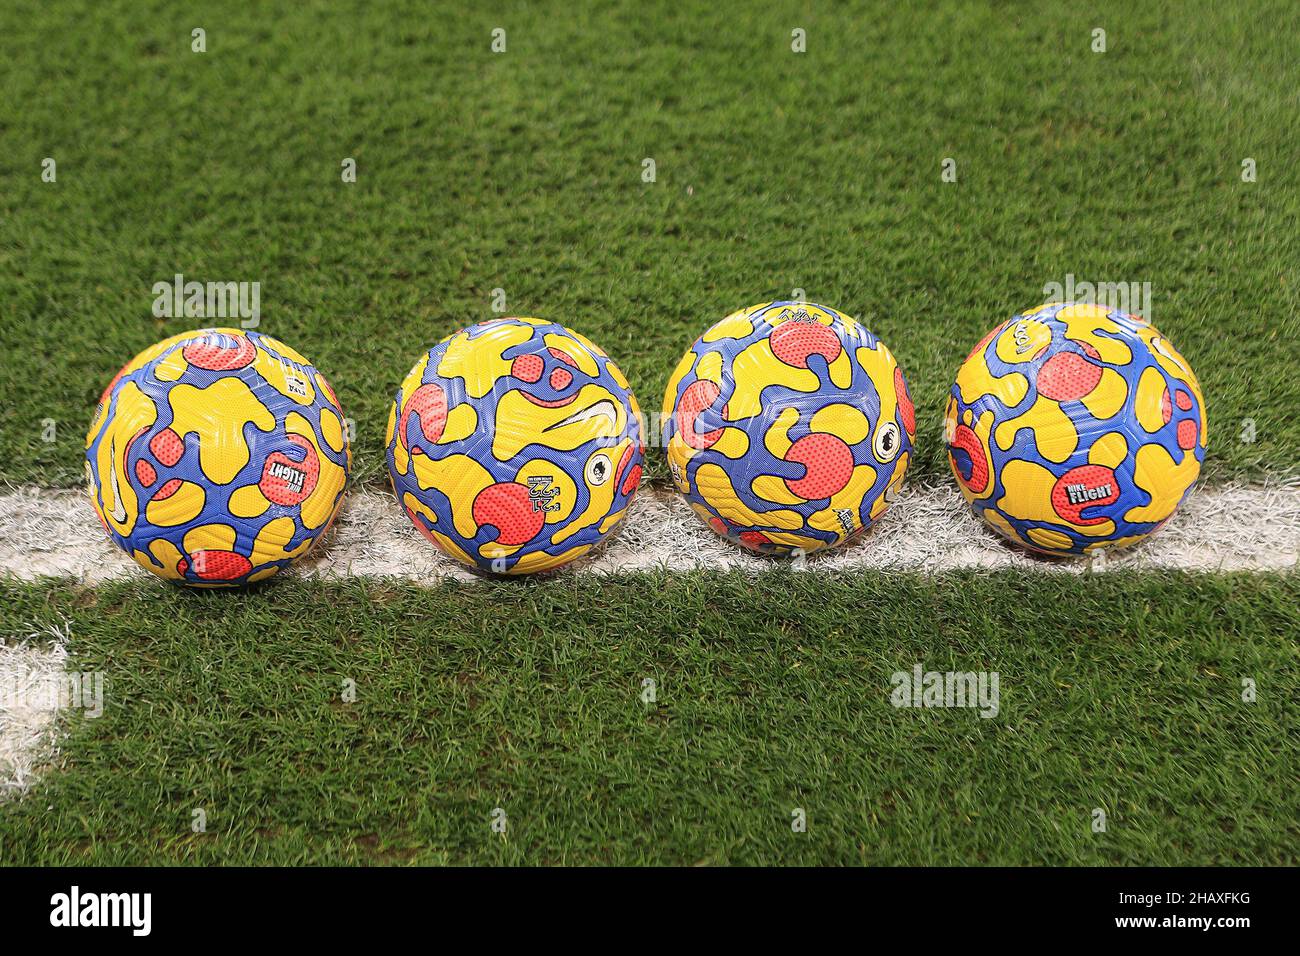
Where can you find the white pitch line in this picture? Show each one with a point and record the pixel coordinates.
(929, 529)
(56, 534)
(31, 685)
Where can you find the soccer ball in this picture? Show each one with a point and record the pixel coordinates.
(515, 445)
(788, 427)
(217, 457)
(1073, 428)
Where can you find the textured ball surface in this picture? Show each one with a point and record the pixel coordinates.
(788, 427)
(515, 445)
(217, 457)
(1072, 428)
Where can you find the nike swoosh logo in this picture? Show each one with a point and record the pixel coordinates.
(119, 509)
(601, 409)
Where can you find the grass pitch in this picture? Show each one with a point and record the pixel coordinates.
(522, 171)
(1116, 692)
(775, 171)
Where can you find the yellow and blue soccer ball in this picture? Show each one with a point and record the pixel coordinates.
(788, 427)
(217, 457)
(1073, 428)
(515, 445)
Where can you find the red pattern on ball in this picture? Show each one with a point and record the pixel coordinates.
(628, 482)
(966, 439)
(905, 407)
(1090, 478)
(507, 507)
(564, 357)
(213, 565)
(167, 490)
(698, 396)
(561, 378)
(285, 481)
(1187, 434)
(216, 356)
(795, 342)
(145, 473)
(828, 466)
(430, 403)
(632, 480)
(527, 368)
(167, 447)
(1067, 377)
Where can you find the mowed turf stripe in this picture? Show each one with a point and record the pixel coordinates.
(1228, 527)
(1117, 693)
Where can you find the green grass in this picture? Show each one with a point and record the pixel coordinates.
(776, 171)
(1121, 692)
(523, 171)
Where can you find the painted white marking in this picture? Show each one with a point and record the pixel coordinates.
(32, 682)
(55, 534)
(928, 529)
